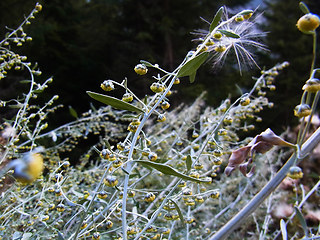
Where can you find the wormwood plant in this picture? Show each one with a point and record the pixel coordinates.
(161, 176)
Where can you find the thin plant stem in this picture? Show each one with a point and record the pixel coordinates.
(130, 164)
(304, 130)
(314, 51)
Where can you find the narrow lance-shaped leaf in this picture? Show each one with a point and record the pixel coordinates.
(25, 81)
(192, 65)
(169, 171)
(106, 142)
(178, 210)
(302, 221)
(304, 8)
(73, 112)
(216, 19)
(114, 102)
(229, 34)
(38, 90)
(245, 12)
(147, 64)
(188, 162)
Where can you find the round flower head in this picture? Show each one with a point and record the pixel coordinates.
(312, 85)
(295, 172)
(107, 85)
(302, 110)
(308, 22)
(141, 69)
(28, 168)
(38, 7)
(127, 97)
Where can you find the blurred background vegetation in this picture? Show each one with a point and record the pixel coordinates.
(83, 42)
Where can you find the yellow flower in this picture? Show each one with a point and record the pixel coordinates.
(107, 86)
(295, 172)
(309, 22)
(38, 7)
(302, 110)
(141, 69)
(110, 181)
(312, 85)
(149, 197)
(220, 48)
(28, 168)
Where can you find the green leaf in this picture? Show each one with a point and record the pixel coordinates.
(283, 229)
(25, 81)
(192, 77)
(147, 64)
(229, 34)
(128, 116)
(165, 169)
(145, 100)
(125, 171)
(73, 112)
(114, 102)
(304, 8)
(106, 142)
(192, 65)
(38, 90)
(216, 19)
(302, 221)
(188, 162)
(245, 12)
(19, 105)
(178, 210)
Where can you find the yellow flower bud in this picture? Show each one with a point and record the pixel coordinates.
(239, 18)
(220, 48)
(149, 197)
(28, 168)
(107, 85)
(302, 110)
(127, 97)
(141, 69)
(295, 172)
(38, 7)
(312, 85)
(309, 22)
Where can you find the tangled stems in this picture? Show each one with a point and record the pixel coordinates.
(206, 126)
(26, 20)
(238, 219)
(20, 113)
(303, 130)
(130, 165)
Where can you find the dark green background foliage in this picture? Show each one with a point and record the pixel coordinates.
(81, 43)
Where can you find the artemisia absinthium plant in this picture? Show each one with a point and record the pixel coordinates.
(30, 199)
(30, 119)
(160, 179)
(168, 168)
(242, 157)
